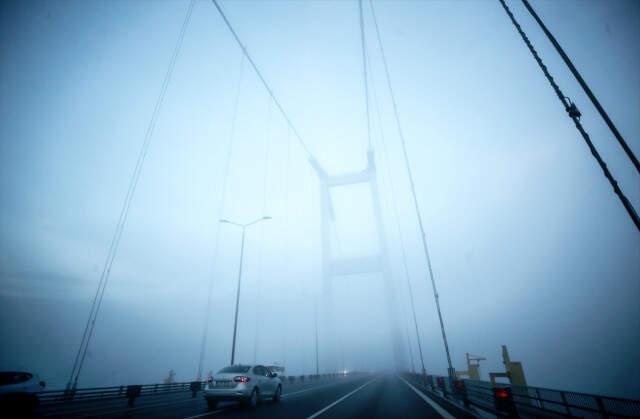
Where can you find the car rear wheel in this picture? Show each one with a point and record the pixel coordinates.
(254, 398)
(18, 404)
(212, 404)
(278, 395)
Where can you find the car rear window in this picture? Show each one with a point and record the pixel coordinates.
(235, 369)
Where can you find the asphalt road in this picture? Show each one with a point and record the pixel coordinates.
(369, 396)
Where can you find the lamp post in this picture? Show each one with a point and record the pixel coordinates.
(315, 314)
(235, 320)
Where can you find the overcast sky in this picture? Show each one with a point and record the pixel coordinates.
(530, 246)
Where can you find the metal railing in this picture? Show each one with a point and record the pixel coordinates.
(130, 392)
(573, 404)
(65, 403)
(506, 400)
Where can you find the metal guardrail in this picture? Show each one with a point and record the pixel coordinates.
(130, 392)
(573, 404)
(514, 401)
(59, 402)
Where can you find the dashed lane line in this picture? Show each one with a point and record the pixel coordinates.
(215, 412)
(321, 411)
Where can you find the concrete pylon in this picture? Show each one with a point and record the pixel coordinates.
(372, 264)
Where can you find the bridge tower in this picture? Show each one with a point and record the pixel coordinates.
(377, 263)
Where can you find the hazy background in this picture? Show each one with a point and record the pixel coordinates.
(529, 245)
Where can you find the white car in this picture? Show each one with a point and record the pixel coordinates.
(245, 383)
(19, 390)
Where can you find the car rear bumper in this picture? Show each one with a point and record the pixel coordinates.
(227, 394)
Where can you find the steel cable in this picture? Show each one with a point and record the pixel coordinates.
(263, 80)
(585, 87)
(397, 219)
(574, 114)
(113, 248)
(413, 190)
(364, 72)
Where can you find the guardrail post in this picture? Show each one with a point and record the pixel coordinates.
(539, 399)
(565, 403)
(461, 391)
(195, 387)
(68, 394)
(442, 386)
(601, 407)
(133, 391)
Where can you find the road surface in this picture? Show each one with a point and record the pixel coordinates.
(368, 396)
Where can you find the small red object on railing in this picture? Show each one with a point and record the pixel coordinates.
(502, 393)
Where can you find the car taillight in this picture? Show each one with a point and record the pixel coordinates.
(241, 379)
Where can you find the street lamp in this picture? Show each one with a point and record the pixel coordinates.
(235, 321)
(315, 314)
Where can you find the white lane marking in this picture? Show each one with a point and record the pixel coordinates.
(215, 412)
(431, 403)
(321, 411)
(314, 388)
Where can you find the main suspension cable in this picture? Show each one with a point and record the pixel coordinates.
(124, 212)
(425, 247)
(585, 87)
(262, 79)
(574, 114)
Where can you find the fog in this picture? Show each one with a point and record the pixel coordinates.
(529, 245)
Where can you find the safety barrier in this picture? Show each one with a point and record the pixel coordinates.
(514, 401)
(130, 392)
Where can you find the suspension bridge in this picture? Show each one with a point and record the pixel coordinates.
(405, 387)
